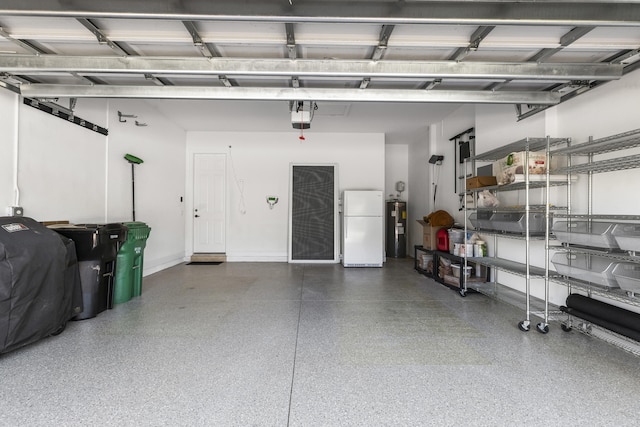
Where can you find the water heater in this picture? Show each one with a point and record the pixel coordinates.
(396, 225)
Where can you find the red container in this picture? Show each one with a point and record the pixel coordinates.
(442, 236)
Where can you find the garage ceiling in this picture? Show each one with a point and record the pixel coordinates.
(533, 54)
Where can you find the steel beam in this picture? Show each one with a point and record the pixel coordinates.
(383, 42)
(101, 37)
(319, 68)
(197, 39)
(565, 41)
(25, 44)
(526, 12)
(301, 94)
(432, 84)
(474, 42)
(291, 41)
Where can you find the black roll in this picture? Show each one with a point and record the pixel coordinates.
(605, 311)
(630, 333)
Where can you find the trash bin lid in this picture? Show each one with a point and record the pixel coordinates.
(114, 232)
(137, 230)
(135, 224)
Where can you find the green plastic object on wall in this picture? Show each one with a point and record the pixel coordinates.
(133, 159)
(130, 262)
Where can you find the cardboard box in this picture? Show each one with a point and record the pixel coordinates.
(508, 167)
(481, 181)
(429, 238)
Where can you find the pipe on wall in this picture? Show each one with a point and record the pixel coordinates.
(16, 151)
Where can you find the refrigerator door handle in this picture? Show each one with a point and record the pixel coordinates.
(346, 230)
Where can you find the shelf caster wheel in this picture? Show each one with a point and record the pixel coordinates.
(566, 328)
(462, 293)
(543, 328)
(524, 326)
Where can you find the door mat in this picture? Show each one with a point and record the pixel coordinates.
(205, 263)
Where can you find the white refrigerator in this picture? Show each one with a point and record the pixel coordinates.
(362, 228)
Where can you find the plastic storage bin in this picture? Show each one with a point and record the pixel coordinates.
(97, 247)
(628, 276)
(586, 233)
(481, 220)
(627, 236)
(455, 268)
(585, 267)
(515, 222)
(456, 235)
(128, 280)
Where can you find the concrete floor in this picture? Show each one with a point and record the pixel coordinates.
(259, 344)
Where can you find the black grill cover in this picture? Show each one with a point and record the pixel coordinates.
(39, 282)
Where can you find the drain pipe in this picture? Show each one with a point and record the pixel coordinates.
(16, 146)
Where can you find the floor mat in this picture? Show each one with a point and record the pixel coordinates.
(205, 263)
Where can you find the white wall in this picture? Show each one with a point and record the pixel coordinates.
(159, 181)
(259, 164)
(8, 138)
(67, 172)
(419, 180)
(396, 169)
(459, 121)
(62, 172)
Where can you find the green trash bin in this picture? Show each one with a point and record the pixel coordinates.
(129, 264)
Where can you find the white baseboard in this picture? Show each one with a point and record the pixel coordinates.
(162, 264)
(256, 258)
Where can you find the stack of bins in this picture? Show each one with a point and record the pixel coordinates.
(97, 246)
(128, 283)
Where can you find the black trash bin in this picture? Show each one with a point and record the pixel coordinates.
(97, 248)
(39, 282)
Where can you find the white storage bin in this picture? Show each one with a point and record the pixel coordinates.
(589, 268)
(456, 235)
(456, 270)
(627, 236)
(586, 233)
(628, 276)
(481, 219)
(515, 222)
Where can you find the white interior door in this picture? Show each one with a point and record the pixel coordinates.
(209, 210)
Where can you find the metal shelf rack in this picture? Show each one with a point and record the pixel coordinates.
(525, 269)
(591, 148)
(608, 144)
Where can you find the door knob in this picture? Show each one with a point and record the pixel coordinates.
(197, 216)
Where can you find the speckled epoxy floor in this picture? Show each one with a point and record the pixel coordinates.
(260, 344)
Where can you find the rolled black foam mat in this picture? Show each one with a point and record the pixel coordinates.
(630, 333)
(605, 311)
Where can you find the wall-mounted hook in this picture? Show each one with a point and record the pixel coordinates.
(140, 124)
(122, 116)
